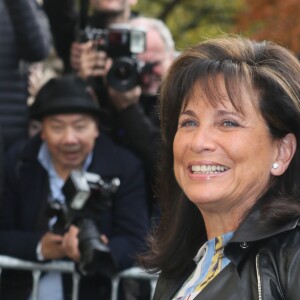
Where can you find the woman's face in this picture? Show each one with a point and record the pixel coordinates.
(222, 158)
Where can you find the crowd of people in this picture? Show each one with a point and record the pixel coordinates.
(70, 139)
(201, 186)
(77, 126)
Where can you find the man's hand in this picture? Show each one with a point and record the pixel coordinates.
(70, 243)
(51, 246)
(76, 52)
(88, 61)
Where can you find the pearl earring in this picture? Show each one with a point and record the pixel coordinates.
(275, 165)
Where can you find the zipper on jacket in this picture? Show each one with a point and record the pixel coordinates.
(258, 277)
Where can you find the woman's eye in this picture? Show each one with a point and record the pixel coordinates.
(230, 123)
(187, 123)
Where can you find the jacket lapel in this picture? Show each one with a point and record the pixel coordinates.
(166, 289)
(227, 285)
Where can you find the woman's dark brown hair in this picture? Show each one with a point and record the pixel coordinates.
(271, 74)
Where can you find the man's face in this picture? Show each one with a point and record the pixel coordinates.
(112, 6)
(155, 53)
(70, 138)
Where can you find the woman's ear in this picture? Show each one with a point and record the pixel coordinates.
(286, 150)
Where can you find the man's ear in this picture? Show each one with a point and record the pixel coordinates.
(97, 132)
(286, 150)
(42, 134)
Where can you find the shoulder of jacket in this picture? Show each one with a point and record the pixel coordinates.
(283, 243)
(107, 147)
(278, 262)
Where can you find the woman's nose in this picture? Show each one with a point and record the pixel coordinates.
(203, 139)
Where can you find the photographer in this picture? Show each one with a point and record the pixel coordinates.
(66, 22)
(131, 117)
(37, 171)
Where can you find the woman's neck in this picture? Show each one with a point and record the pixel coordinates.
(217, 223)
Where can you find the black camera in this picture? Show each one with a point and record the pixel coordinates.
(122, 43)
(87, 195)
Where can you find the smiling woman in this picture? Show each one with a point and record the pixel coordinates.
(229, 189)
(231, 143)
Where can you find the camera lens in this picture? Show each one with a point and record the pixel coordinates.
(124, 74)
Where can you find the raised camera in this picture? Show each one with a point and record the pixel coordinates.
(87, 195)
(122, 42)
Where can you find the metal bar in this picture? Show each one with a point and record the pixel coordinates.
(114, 287)
(7, 262)
(153, 285)
(75, 289)
(0, 277)
(138, 273)
(36, 274)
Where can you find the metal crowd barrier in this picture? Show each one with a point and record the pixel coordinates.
(7, 262)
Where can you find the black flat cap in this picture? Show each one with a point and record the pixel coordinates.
(64, 95)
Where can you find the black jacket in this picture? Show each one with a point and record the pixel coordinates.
(265, 265)
(23, 220)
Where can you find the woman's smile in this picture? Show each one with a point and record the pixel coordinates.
(208, 169)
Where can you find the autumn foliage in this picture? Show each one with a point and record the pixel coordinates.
(277, 20)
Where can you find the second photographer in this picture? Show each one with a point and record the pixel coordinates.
(36, 175)
(130, 114)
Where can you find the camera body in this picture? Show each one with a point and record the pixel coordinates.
(122, 43)
(87, 195)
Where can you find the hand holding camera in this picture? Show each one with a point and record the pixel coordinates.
(88, 60)
(51, 246)
(121, 43)
(70, 243)
(77, 49)
(87, 196)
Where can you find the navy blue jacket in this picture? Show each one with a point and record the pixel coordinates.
(22, 216)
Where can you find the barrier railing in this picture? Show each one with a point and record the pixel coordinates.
(7, 262)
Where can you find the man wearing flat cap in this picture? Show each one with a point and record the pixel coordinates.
(36, 172)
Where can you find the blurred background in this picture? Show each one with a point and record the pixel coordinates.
(194, 20)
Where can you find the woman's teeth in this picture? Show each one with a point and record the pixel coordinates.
(208, 169)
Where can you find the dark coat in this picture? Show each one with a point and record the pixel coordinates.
(265, 265)
(22, 216)
(25, 38)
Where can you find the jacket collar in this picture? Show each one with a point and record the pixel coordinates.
(31, 148)
(253, 230)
